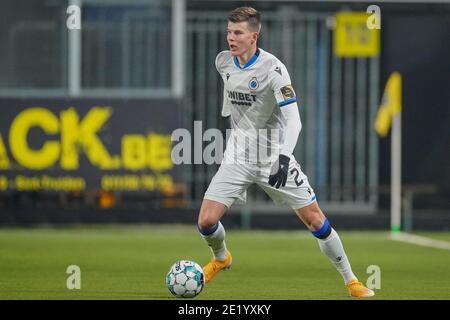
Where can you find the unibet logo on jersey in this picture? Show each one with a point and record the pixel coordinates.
(240, 98)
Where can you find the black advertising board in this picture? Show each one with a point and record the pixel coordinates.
(81, 144)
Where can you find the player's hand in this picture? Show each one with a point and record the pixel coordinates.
(279, 172)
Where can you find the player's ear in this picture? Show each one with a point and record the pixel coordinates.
(255, 36)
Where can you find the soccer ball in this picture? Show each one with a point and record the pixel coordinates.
(185, 279)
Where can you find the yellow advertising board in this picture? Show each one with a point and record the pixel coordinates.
(353, 38)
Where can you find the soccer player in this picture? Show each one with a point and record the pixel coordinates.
(258, 96)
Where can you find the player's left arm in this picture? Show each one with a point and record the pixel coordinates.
(293, 128)
(287, 101)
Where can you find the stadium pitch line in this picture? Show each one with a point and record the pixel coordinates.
(420, 241)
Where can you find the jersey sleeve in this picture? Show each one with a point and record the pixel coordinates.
(219, 65)
(280, 83)
(216, 62)
(226, 112)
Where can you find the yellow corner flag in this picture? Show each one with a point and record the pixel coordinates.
(391, 104)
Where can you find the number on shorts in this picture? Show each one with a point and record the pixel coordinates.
(296, 177)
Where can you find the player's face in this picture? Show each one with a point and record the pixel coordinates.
(240, 39)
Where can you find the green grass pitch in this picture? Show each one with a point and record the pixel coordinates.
(131, 262)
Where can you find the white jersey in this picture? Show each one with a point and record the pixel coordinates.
(252, 97)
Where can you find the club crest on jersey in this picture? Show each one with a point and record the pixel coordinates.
(253, 84)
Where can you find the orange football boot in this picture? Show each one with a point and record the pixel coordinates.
(214, 266)
(358, 290)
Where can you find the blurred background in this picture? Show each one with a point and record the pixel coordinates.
(87, 108)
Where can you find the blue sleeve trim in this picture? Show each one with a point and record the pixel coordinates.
(286, 102)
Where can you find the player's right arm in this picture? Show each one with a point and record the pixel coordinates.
(220, 62)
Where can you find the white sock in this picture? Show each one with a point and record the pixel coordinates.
(333, 249)
(216, 242)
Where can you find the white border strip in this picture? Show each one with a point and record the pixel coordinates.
(74, 58)
(420, 241)
(178, 47)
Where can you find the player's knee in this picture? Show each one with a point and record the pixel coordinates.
(206, 219)
(316, 222)
(313, 218)
(207, 225)
(206, 222)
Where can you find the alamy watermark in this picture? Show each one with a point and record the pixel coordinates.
(374, 20)
(374, 281)
(249, 146)
(74, 280)
(73, 21)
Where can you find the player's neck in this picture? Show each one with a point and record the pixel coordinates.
(243, 59)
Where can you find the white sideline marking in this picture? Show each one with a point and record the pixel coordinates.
(420, 241)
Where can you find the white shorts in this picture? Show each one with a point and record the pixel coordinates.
(231, 182)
